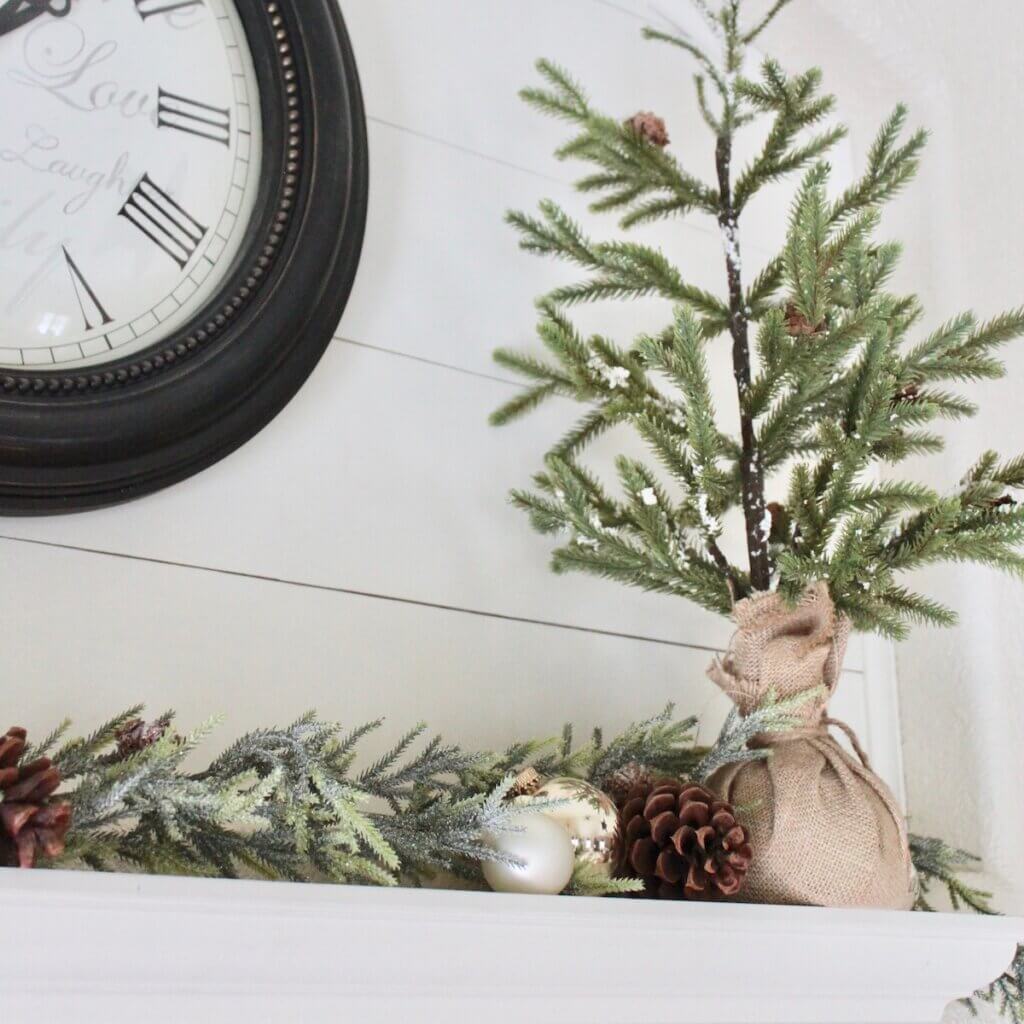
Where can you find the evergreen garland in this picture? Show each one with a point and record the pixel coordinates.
(832, 376)
(936, 862)
(1006, 993)
(290, 803)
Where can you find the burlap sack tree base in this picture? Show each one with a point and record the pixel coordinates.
(825, 830)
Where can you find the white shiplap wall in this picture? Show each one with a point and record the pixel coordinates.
(359, 556)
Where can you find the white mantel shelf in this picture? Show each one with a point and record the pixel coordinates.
(111, 948)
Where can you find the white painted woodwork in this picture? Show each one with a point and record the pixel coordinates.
(118, 949)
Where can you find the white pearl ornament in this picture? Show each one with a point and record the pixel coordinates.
(545, 851)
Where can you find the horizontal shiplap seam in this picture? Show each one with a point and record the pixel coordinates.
(567, 183)
(622, 10)
(437, 363)
(468, 151)
(368, 595)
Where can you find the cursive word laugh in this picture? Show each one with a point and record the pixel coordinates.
(39, 153)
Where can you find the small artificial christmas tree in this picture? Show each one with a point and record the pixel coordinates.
(833, 383)
(830, 374)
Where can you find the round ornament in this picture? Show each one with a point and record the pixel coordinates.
(588, 816)
(545, 851)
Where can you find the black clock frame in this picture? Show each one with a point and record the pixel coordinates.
(72, 441)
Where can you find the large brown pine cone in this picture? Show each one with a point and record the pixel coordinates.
(30, 823)
(682, 841)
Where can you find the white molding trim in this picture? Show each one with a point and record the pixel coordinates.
(884, 741)
(110, 948)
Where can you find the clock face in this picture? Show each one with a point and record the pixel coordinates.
(129, 167)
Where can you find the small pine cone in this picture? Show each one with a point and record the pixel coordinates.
(779, 531)
(911, 393)
(620, 784)
(136, 735)
(682, 841)
(1006, 501)
(798, 325)
(30, 823)
(527, 782)
(649, 127)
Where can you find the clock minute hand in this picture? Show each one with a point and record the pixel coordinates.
(15, 13)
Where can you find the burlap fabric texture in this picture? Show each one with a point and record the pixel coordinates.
(825, 830)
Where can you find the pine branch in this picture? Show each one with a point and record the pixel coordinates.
(773, 11)
(78, 755)
(938, 863)
(1006, 993)
(732, 745)
(837, 385)
(623, 270)
(590, 880)
(890, 167)
(631, 174)
(288, 803)
(707, 65)
(796, 106)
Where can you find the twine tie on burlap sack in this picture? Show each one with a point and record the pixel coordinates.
(766, 739)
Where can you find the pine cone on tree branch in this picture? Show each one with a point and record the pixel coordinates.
(797, 325)
(649, 127)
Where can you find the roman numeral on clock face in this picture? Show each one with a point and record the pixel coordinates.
(147, 8)
(163, 221)
(91, 307)
(191, 116)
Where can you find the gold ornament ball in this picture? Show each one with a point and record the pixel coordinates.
(544, 850)
(588, 816)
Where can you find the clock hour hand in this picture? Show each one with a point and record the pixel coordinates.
(15, 13)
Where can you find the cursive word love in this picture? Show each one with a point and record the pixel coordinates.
(59, 60)
(38, 154)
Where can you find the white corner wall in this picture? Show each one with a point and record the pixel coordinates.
(961, 690)
(359, 556)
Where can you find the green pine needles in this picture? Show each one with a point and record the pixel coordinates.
(938, 863)
(291, 803)
(1006, 993)
(294, 803)
(834, 380)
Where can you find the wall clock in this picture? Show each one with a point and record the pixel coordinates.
(183, 189)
